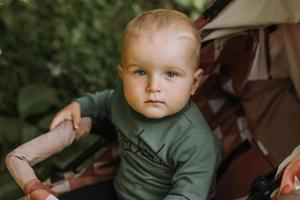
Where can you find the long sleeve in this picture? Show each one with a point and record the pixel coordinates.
(20, 161)
(97, 105)
(194, 173)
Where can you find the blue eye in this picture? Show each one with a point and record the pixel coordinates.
(140, 72)
(171, 74)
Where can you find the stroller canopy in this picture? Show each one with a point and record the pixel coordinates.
(251, 56)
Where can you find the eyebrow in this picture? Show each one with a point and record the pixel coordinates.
(132, 65)
(168, 68)
(176, 69)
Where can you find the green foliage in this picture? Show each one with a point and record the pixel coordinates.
(195, 7)
(9, 190)
(52, 51)
(10, 134)
(71, 45)
(35, 98)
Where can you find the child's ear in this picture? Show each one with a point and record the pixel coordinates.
(197, 78)
(120, 71)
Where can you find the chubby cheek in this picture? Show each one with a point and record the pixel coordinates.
(132, 86)
(178, 96)
(132, 91)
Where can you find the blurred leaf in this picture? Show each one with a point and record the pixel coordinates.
(55, 70)
(200, 5)
(44, 123)
(35, 99)
(184, 3)
(137, 9)
(29, 132)
(10, 131)
(194, 15)
(10, 136)
(9, 189)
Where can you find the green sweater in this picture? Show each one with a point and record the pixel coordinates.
(173, 158)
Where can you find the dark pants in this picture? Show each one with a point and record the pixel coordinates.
(102, 191)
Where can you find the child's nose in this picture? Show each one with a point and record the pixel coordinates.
(153, 84)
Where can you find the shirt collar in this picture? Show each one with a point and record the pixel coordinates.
(155, 132)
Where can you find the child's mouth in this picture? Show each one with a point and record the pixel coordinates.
(154, 101)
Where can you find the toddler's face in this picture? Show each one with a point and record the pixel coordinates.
(158, 74)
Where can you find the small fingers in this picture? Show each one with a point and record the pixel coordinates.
(54, 122)
(76, 121)
(59, 118)
(70, 112)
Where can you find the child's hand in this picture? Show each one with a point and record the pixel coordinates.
(70, 112)
(35, 190)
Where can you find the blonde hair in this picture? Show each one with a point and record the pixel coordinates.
(166, 21)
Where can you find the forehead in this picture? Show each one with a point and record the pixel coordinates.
(160, 49)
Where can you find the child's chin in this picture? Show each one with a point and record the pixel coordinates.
(155, 114)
